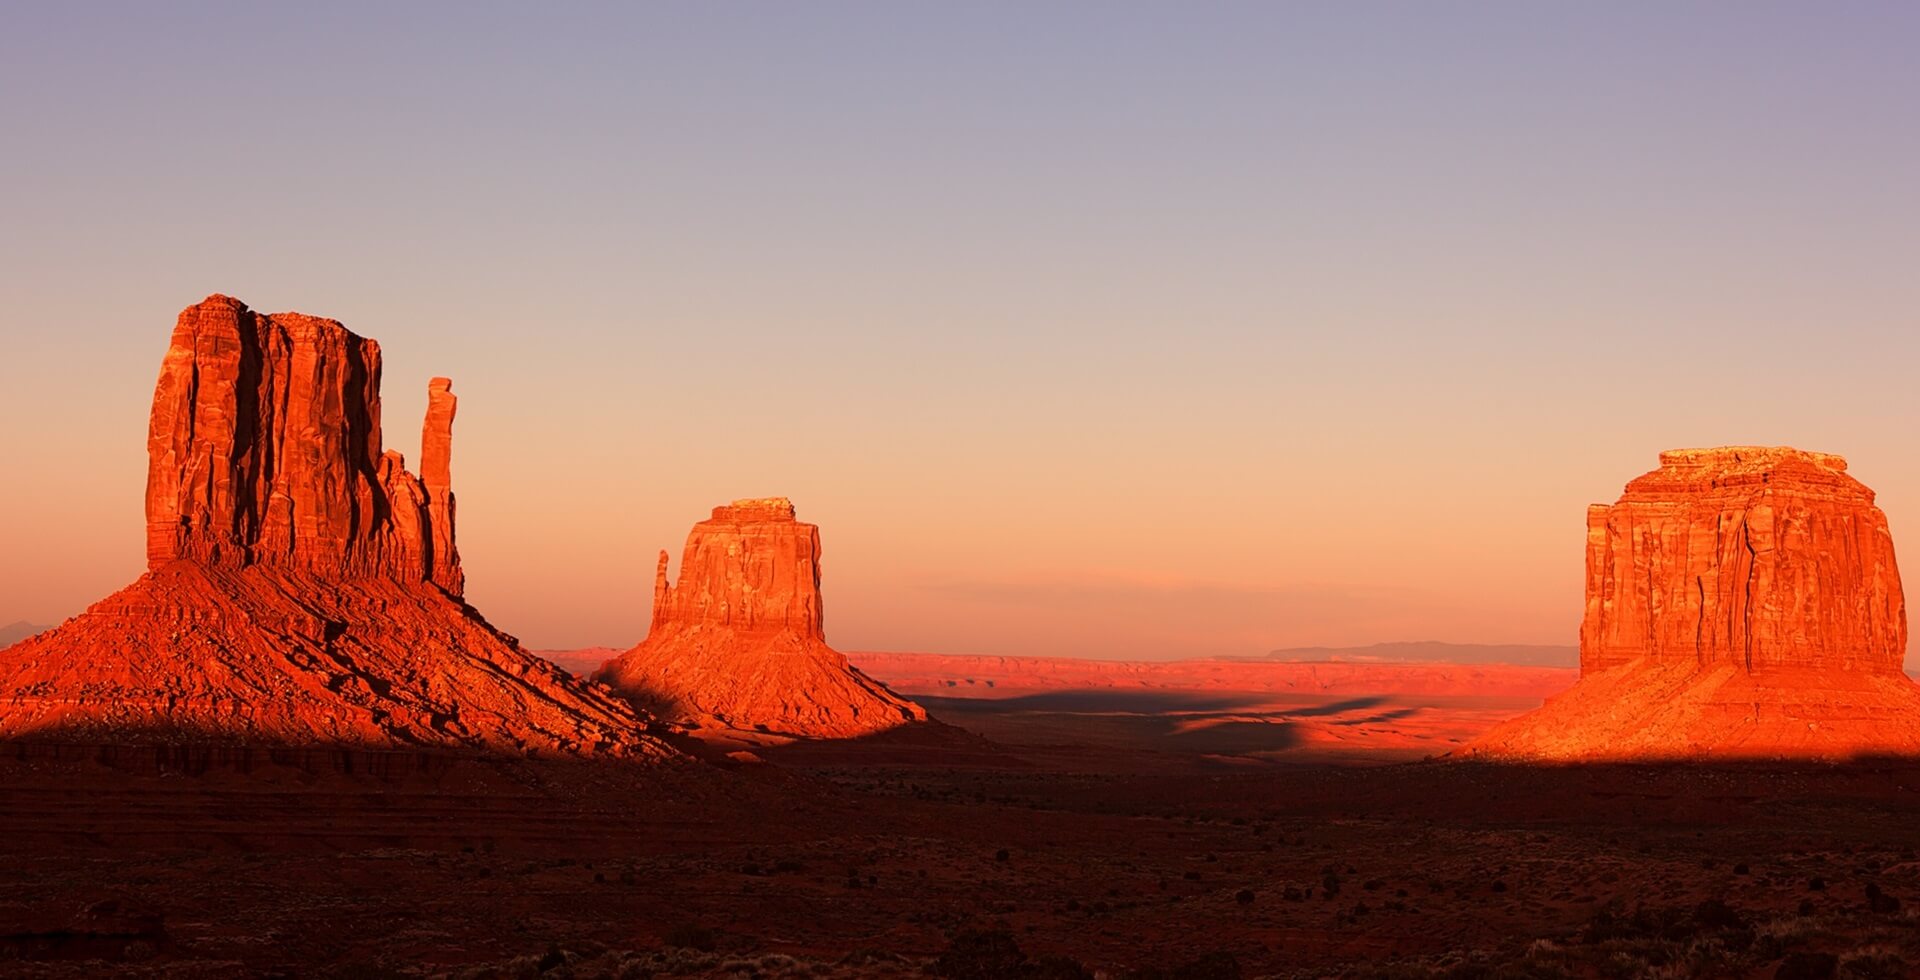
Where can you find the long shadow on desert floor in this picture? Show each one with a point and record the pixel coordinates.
(1234, 727)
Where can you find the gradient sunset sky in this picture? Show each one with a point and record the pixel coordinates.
(1094, 329)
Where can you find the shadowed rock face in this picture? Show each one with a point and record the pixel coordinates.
(739, 642)
(1741, 600)
(302, 588)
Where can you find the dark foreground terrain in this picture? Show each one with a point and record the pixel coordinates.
(941, 854)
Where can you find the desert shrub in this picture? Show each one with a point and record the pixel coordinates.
(1808, 966)
(992, 954)
(1611, 923)
(1055, 968)
(1881, 902)
(693, 936)
(871, 958)
(980, 954)
(1707, 958)
(1788, 929)
(1217, 965)
(1874, 963)
(1716, 914)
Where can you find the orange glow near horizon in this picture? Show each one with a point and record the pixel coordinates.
(1139, 336)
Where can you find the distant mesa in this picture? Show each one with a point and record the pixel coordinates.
(998, 677)
(302, 587)
(583, 661)
(1434, 652)
(1740, 602)
(739, 643)
(15, 632)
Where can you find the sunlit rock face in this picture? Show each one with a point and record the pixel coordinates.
(1754, 557)
(1739, 601)
(303, 588)
(751, 568)
(739, 642)
(264, 448)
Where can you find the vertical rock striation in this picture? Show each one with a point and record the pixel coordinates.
(264, 448)
(750, 568)
(1739, 601)
(739, 643)
(302, 587)
(1753, 557)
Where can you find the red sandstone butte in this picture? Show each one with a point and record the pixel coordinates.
(302, 587)
(1741, 602)
(739, 644)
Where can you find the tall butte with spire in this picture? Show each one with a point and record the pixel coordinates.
(739, 643)
(1740, 602)
(302, 587)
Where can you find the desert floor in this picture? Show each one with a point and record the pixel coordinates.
(1060, 835)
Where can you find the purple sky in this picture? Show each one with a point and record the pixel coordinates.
(1086, 329)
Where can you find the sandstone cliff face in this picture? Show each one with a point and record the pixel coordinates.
(1741, 600)
(264, 448)
(739, 643)
(303, 587)
(751, 568)
(1754, 557)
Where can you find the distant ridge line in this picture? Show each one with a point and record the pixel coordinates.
(15, 632)
(1435, 651)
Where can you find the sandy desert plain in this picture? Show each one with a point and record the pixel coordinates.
(935, 851)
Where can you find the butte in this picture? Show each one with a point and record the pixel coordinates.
(738, 646)
(302, 588)
(1741, 602)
